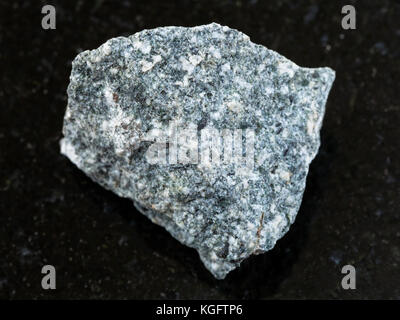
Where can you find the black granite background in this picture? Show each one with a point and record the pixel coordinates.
(51, 213)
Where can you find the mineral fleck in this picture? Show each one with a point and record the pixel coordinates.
(209, 134)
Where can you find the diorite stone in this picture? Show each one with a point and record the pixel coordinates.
(209, 134)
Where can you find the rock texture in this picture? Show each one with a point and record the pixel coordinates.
(209, 134)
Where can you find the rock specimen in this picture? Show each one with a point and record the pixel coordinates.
(209, 134)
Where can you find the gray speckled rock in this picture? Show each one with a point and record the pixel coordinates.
(209, 134)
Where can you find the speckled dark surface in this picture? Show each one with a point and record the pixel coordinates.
(51, 213)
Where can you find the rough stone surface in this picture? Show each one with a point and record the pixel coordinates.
(214, 78)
